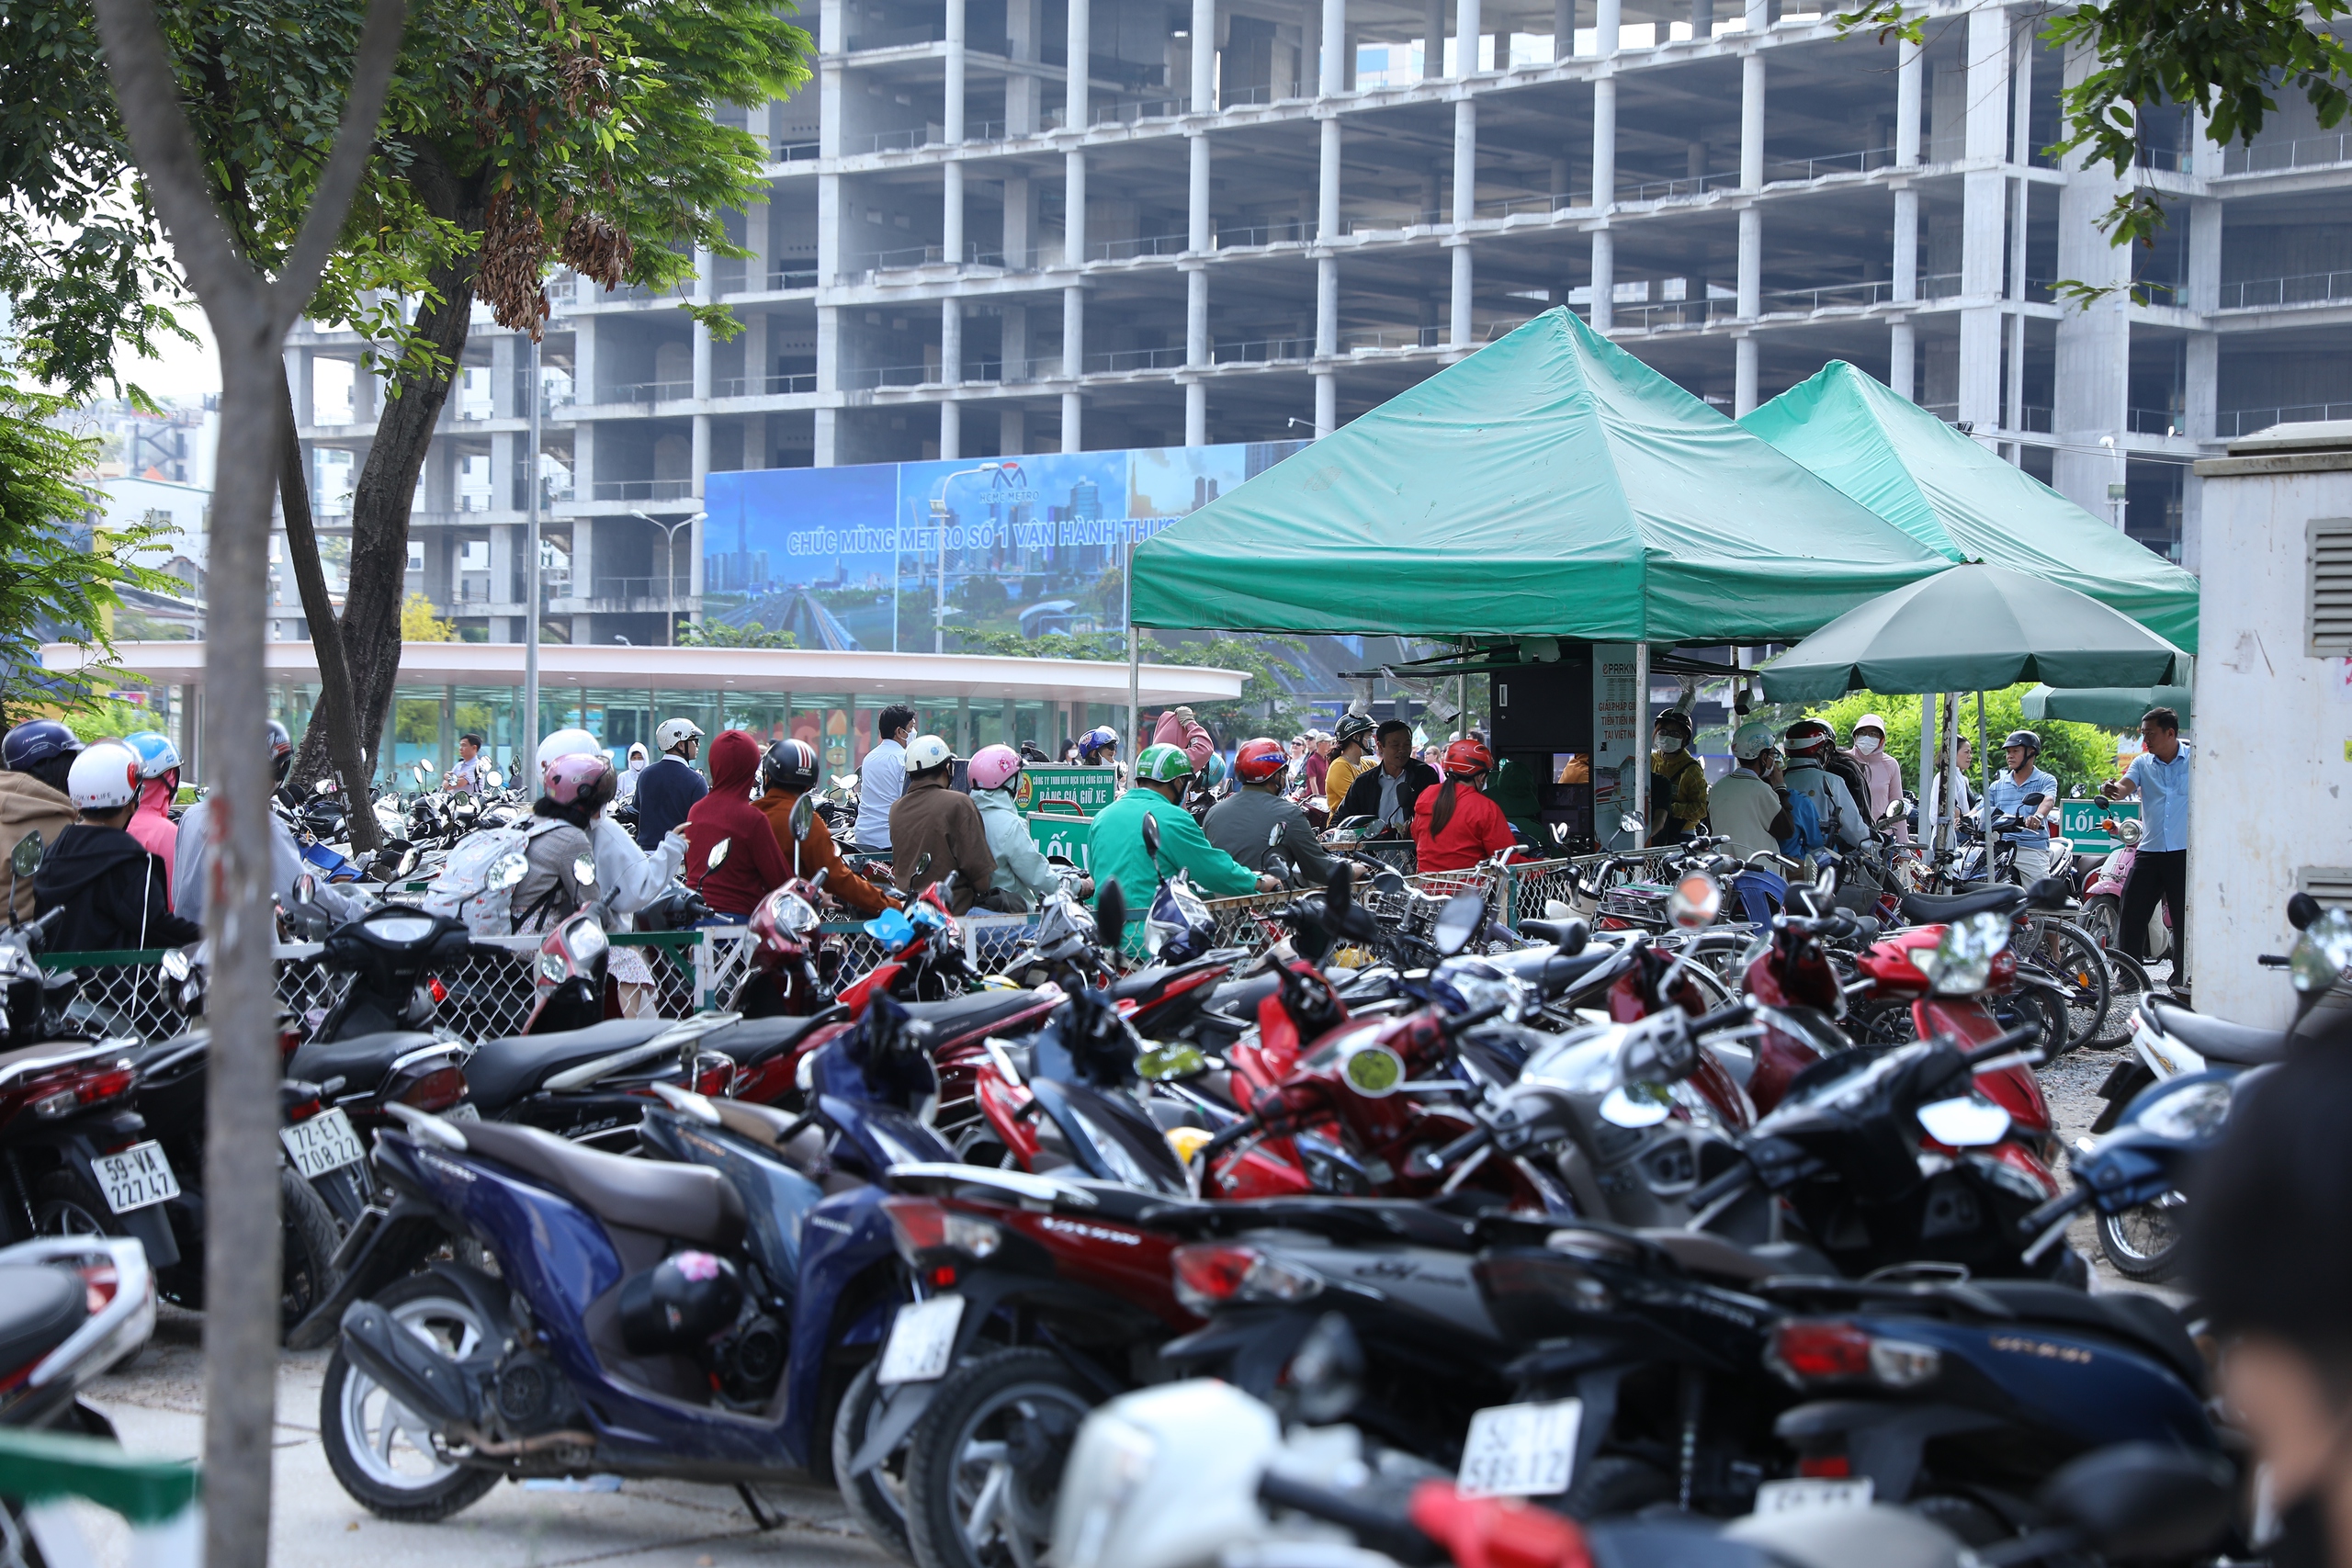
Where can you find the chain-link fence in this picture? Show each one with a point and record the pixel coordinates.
(490, 993)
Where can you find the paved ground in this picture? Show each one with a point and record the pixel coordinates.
(155, 1404)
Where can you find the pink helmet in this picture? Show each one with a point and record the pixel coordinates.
(584, 778)
(994, 766)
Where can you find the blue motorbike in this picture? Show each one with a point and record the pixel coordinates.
(702, 1316)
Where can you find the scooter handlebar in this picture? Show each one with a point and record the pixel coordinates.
(2002, 1044)
(2044, 1215)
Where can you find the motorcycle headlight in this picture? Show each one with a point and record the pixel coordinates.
(2189, 1114)
(1962, 962)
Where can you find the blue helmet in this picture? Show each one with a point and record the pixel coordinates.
(1092, 744)
(35, 741)
(157, 755)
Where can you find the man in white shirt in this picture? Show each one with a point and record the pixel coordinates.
(2159, 777)
(467, 775)
(882, 778)
(1749, 805)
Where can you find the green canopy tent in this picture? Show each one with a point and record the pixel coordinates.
(1962, 502)
(1551, 484)
(2109, 707)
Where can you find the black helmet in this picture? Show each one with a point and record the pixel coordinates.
(35, 741)
(2025, 738)
(1354, 727)
(789, 765)
(1676, 720)
(281, 753)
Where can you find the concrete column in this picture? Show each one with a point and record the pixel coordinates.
(826, 426)
(587, 382)
(1604, 280)
(1196, 414)
(2199, 406)
(1465, 160)
(1073, 334)
(700, 449)
(694, 570)
(951, 429)
(1327, 306)
(1327, 206)
(1203, 56)
(701, 340)
(953, 115)
(755, 356)
(505, 544)
(951, 215)
(759, 238)
(1465, 38)
(301, 383)
(755, 441)
(1564, 28)
(1326, 403)
(1020, 221)
(1197, 316)
(1200, 236)
(1983, 222)
(1604, 163)
(1073, 407)
(583, 460)
(1021, 89)
(1012, 431)
(1081, 47)
(1751, 122)
(2094, 348)
(1073, 208)
(1904, 269)
(1702, 18)
(1899, 352)
(951, 341)
(1743, 394)
(364, 402)
(1751, 262)
(503, 403)
(1460, 326)
(1333, 77)
(1433, 40)
(1909, 72)
(829, 230)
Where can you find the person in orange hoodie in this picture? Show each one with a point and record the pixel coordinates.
(788, 772)
(755, 864)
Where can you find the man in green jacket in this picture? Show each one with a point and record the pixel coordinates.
(1117, 852)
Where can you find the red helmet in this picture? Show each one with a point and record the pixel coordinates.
(1465, 756)
(1809, 737)
(1259, 760)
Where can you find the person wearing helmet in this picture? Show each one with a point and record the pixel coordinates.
(114, 893)
(667, 791)
(1881, 774)
(1351, 743)
(1260, 829)
(755, 864)
(159, 782)
(1677, 780)
(628, 878)
(1117, 850)
(1385, 792)
(1022, 875)
(38, 754)
(790, 770)
(574, 788)
(1810, 743)
(286, 866)
(2010, 795)
(936, 822)
(1455, 826)
(1749, 805)
(882, 778)
(1098, 747)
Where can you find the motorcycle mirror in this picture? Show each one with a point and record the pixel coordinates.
(1373, 1071)
(2033, 802)
(1458, 922)
(306, 890)
(1558, 909)
(1621, 1109)
(174, 964)
(495, 779)
(2143, 1501)
(1110, 915)
(1696, 900)
(1826, 878)
(1339, 894)
(1274, 837)
(1163, 1064)
(418, 773)
(1896, 809)
(324, 786)
(920, 869)
(804, 812)
(25, 859)
(2302, 910)
(584, 869)
(1629, 823)
(1151, 837)
(1966, 1123)
(718, 856)
(1389, 882)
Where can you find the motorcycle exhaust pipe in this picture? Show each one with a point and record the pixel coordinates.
(427, 1382)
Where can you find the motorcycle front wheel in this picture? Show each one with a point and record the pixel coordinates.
(984, 1467)
(384, 1453)
(2144, 1242)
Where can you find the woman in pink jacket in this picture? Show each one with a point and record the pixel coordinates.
(159, 785)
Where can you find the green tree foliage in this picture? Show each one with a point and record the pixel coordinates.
(59, 578)
(2081, 756)
(1261, 657)
(718, 634)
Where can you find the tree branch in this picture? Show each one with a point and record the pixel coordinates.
(355, 141)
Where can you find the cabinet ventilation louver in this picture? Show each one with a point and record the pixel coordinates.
(2329, 612)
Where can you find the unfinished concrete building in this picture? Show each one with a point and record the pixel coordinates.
(1253, 220)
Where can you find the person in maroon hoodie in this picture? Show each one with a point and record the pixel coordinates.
(754, 865)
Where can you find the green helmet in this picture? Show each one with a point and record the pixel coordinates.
(1163, 764)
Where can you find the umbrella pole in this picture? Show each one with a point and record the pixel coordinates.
(1927, 767)
(1984, 756)
(1641, 743)
(1951, 763)
(1134, 656)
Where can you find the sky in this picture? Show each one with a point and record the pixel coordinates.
(183, 372)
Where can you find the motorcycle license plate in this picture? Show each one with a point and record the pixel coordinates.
(465, 1113)
(1810, 1494)
(1520, 1450)
(322, 1144)
(136, 1177)
(923, 1337)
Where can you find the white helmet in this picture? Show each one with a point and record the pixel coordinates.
(675, 732)
(566, 744)
(1752, 741)
(105, 777)
(927, 751)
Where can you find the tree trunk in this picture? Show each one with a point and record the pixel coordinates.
(334, 709)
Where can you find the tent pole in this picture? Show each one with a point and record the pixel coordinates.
(1951, 763)
(1641, 738)
(1927, 767)
(1134, 656)
(1983, 757)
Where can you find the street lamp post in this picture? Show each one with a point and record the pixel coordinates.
(670, 562)
(939, 517)
(529, 727)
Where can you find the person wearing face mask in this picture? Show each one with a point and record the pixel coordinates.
(1881, 774)
(1678, 781)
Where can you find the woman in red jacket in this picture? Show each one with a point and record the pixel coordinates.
(754, 865)
(1455, 826)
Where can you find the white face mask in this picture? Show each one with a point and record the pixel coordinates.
(1670, 744)
(1866, 744)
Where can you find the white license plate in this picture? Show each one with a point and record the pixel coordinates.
(136, 1177)
(1521, 1450)
(1810, 1494)
(322, 1144)
(923, 1337)
(465, 1113)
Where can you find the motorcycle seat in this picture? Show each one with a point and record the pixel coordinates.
(689, 1202)
(756, 1040)
(1941, 908)
(40, 1306)
(980, 1010)
(1239, 998)
(1144, 981)
(503, 1071)
(1704, 1253)
(2143, 1321)
(1552, 972)
(2217, 1040)
(360, 1062)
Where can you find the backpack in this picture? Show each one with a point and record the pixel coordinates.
(476, 882)
(1841, 765)
(1808, 836)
